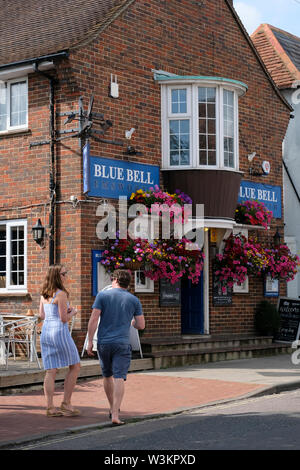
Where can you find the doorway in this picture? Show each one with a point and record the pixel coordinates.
(192, 307)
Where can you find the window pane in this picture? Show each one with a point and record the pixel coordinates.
(14, 279)
(14, 248)
(174, 127)
(21, 263)
(211, 158)
(179, 100)
(207, 125)
(212, 142)
(228, 128)
(211, 126)
(202, 126)
(174, 144)
(202, 142)
(2, 264)
(185, 158)
(3, 110)
(18, 104)
(211, 110)
(180, 142)
(174, 158)
(2, 232)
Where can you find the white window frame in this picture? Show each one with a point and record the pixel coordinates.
(147, 288)
(243, 288)
(192, 115)
(14, 288)
(8, 84)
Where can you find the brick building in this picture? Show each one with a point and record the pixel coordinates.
(169, 59)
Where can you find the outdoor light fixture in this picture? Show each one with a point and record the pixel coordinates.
(277, 238)
(38, 232)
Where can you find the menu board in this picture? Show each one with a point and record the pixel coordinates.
(289, 310)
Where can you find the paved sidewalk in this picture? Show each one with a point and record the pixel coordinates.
(149, 393)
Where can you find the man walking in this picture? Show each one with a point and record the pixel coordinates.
(118, 309)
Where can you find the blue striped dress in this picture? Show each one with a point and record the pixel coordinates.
(57, 346)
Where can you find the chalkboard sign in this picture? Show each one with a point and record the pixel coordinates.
(289, 310)
(170, 294)
(221, 296)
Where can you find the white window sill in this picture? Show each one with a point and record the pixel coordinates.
(14, 293)
(178, 168)
(9, 132)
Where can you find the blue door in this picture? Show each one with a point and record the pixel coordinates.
(192, 307)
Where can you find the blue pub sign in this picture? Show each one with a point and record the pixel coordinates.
(269, 195)
(112, 178)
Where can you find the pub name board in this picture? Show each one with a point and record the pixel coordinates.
(114, 178)
(269, 195)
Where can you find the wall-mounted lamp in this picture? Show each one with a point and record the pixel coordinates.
(38, 232)
(277, 238)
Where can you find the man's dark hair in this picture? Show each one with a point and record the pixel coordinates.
(123, 277)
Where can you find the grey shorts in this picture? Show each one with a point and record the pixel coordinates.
(114, 359)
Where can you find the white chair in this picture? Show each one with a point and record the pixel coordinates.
(22, 331)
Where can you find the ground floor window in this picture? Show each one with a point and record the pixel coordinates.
(13, 255)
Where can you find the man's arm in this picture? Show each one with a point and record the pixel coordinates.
(139, 322)
(92, 326)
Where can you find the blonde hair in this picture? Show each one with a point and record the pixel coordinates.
(53, 282)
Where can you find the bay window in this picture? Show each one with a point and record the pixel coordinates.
(200, 123)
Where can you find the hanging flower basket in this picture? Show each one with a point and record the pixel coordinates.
(253, 213)
(243, 257)
(133, 265)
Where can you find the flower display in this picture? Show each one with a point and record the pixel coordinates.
(253, 213)
(282, 264)
(243, 257)
(161, 259)
(172, 260)
(124, 253)
(156, 200)
(169, 259)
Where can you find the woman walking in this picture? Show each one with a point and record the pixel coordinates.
(57, 346)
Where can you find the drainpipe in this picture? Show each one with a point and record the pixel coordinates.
(52, 186)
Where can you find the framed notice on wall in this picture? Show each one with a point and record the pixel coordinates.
(222, 294)
(169, 294)
(271, 287)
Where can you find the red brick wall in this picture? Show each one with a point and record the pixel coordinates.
(181, 37)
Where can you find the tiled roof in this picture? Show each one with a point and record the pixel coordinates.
(280, 52)
(35, 28)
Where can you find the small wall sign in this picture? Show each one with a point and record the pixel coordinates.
(271, 287)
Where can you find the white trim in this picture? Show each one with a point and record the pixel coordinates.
(147, 288)
(11, 288)
(21, 71)
(206, 284)
(8, 127)
(193, 116)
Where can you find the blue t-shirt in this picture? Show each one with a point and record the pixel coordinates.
(118, 307)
